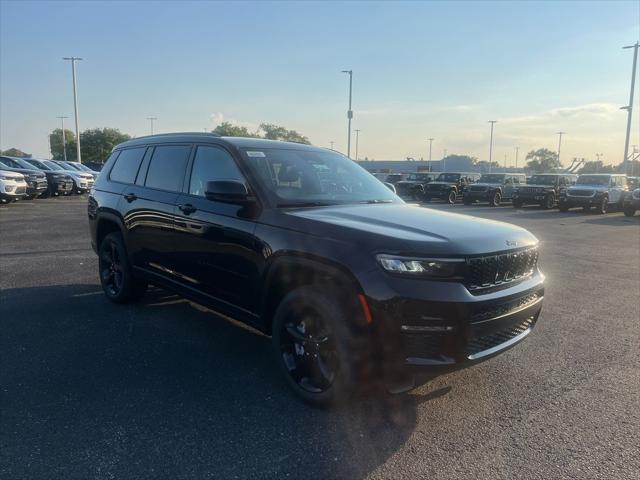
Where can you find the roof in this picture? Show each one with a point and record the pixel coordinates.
(240, 142)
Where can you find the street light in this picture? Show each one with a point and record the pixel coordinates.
(75, 102)
(151, 120)
(64, 140)
(517, 150)
(444, 161)
(430, 145)
(332, 143)
(629, 108)
(559, 145)
(349, 112)
(357, 130)
(492, 122)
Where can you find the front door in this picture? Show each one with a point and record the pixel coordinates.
(216, 250)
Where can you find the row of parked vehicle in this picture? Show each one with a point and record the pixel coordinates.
(602, 192)
(29, 178)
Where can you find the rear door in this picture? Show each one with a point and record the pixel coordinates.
(216, 248)
(150, 207)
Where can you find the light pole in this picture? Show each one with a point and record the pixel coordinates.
(492, 122)
(151, 120)
(444, 160)
(357, 130)
(64, 140)
(505, 162)
(629, 108)
(349, 112)
(430, 145)
(559, 145)
(517, 150)
(75, 102)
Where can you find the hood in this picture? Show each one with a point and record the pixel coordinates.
(485, 184)
(411, 229)
(24, 171)
(589, 187)
(443, 183)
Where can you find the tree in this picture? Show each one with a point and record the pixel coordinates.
(461, 159)
(226, 129)
(275, 132)
(15, 152)
(96, 144)
(595, 167)
(55, 144)
(484, 165)
(542, 160)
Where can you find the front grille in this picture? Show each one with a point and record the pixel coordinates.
(422, 346)
(528, 189)
(494, 311)
(21, 190)
(580, 193)
(481, 344)
(500, 269)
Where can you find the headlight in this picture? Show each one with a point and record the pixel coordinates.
(421, 267)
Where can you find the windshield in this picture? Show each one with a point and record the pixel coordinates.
(448, 177)
(82, 167)
(593, 180)
(37, 164)
(71, 165)
(492, 178)
(419, 177)
(52, 165)
(543, 180)
(314, 177)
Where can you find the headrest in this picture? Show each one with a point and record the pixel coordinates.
(288, 173)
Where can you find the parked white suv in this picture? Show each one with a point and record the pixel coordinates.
(595, 190)
(12, 186)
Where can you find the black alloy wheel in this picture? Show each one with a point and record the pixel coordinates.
(549, 201)
(451, 198)
(496, 199)
(116, 278)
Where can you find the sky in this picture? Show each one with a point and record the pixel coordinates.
(420, 70)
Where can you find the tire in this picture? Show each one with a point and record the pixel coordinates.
(517, 204)
(628, 210)
(549, 201)
(603, 206)
(116, 277)
(322, 373)
(452, 197)
(496, 199)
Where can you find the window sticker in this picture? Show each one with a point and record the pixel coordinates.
(256, 154)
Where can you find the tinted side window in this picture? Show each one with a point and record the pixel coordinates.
(127, 165)
(167, 167)
(210, 164)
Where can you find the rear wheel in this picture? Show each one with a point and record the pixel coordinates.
(496, 199)
(628, 210)
(116, 277)
(312, 345)
(451, 198)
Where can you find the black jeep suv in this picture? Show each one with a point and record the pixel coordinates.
(543, 189)
(414, 185)
(449, 186)
(353, 285)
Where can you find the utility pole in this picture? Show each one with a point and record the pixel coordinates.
(349, 112)
(598, 155)
(64, 140)
(444, 160)
(151, 120)
(75, 102)
(492, 122)
(357, 130)
(629, 108)
(559, 145)
(430, 145)
(517, 150)
(332, 142)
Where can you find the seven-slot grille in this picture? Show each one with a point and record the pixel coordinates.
(502, 268)
(528, 189)
(580, 193)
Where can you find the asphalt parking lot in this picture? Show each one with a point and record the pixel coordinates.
(167, 389)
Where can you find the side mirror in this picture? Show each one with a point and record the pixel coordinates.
(228, 191)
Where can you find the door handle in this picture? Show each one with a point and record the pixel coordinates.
(130, 197)
(187, 208)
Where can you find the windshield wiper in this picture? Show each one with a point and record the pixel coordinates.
(303, 204)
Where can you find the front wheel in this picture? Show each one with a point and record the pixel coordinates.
(628, 210)
(116, 276)
(496, 200)
(312, 345)
(603, 206)
(549, 201)
(451, 198)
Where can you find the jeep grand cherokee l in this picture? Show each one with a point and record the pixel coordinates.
(353, 285)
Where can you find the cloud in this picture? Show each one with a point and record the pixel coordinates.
(581, 113)
(217, 118)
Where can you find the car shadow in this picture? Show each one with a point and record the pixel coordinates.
(613, 220)
(90, 389)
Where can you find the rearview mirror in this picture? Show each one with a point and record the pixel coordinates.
(228, 191)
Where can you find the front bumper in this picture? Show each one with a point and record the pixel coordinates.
(440, 326)
(530, 197)
(483, 196)
(580, 201)
(36, 188)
